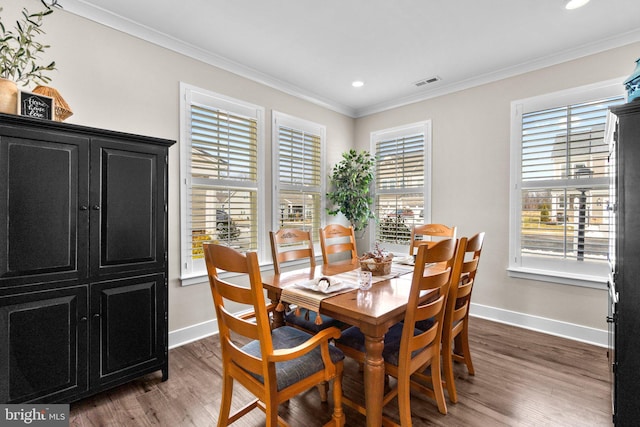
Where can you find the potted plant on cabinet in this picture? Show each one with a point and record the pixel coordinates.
(350, 181)
(20, 55)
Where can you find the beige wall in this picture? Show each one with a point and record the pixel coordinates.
(115, 81)
(471, 177)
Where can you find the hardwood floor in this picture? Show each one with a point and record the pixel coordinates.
(523, 378)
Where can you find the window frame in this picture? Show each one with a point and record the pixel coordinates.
(555, 271)
(190, 272)
(279, 120)
(425, 128)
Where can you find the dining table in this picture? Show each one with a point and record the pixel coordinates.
(374, 311)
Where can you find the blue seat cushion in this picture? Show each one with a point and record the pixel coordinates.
(293, 371)
(426, 324)
(310, 325)
(352, 337)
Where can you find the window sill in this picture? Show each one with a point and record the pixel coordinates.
(585, 281)
(199, 278)
(193, 280)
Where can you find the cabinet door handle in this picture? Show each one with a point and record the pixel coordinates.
(84, 208)
(97, 315)
(95, 207)
(83, 319)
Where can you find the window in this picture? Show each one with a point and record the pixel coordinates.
(560, 186)
(220, 175)
(298, 165)
(403, 178)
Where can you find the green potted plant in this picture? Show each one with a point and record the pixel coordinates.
(350, 181)
(20, 55)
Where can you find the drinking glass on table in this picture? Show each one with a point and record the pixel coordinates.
(364, 280)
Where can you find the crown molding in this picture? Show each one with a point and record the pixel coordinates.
(127, 26)
(547, 61)
(120, 23)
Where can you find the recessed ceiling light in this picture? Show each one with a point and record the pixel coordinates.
(574, 4)
(357, 83)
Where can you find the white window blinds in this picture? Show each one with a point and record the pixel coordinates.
(565, 181)
(400, 185)
(220, 177)
(559, 223)
(299, 158)
(299, 173)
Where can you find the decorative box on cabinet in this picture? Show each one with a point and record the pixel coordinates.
(83, 259)
(624, 285)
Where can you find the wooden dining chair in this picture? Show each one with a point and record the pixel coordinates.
(425, 233)
(456, 321)
(408, 351)
(273, 365)
(289, 244)
(336, 239)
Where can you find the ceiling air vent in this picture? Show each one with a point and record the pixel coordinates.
(426, 81)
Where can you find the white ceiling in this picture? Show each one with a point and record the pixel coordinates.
(315, 49)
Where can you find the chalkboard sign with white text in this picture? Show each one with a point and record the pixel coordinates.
(35, 105)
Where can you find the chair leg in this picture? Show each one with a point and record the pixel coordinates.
(271, 411)
(438, 391)
(404, 401)
(323, 389)
(447, 368)
(462, 348)
(467, 351)
(338, 419)
(225, 404)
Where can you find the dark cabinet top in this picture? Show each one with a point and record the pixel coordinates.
(628, 108)
(11, 120)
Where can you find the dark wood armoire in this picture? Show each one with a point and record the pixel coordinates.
(624, 283)
(83, 259)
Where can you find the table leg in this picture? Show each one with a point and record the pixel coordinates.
(374, 379)
(277, 317)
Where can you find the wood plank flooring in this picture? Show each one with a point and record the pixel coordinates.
(523, 378)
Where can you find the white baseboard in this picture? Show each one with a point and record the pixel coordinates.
(558, 328)
(192, 333)
(548, 326)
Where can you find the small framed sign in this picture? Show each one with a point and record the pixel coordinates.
(36, 105)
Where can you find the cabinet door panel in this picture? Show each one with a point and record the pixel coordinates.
(43, 356)
(127, 197)
(42, 190)
(127, 324)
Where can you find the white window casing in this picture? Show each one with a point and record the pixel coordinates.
(559, 223)
(221, 176)
(298, 173)
(402, 192)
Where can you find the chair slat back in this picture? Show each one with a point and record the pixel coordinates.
(231, 325)
(289, 244)
(336, 238)
(460, 295)
(468, 275)
(474, 248)
(437, 284)
(424, 234)
(461, 301)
